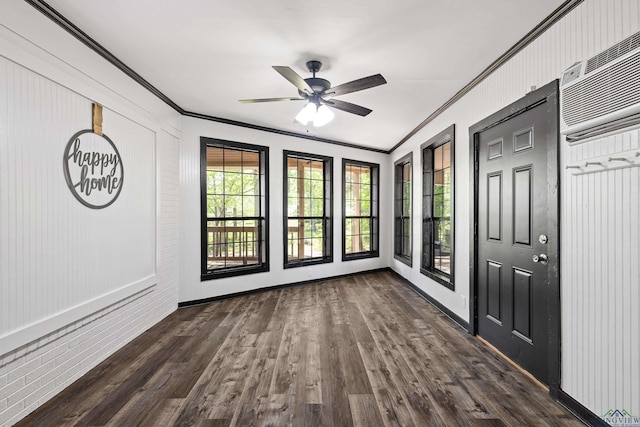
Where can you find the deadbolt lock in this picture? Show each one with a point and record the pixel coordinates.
(543, 239)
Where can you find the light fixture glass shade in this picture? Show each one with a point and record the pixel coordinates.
(320, 116)
(323, 116)
(307, 114)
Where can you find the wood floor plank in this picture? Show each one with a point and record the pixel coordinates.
(392, 401)
(420, 402)
(312, 371)
(114, 401)
(355, 373)
(163, 413)
(364, 350)
(364, 410)
(335, 401)
(251, 409)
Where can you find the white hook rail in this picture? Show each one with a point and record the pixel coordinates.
(622, 160)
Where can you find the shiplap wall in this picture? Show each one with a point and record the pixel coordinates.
(76, 284)
(599, 249)
(57, 254)
(601, 274)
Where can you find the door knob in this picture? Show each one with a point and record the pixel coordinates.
(542, 258)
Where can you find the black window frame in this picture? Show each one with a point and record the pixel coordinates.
(263, 217)
(326, 218)
(374, 215)
(428, 241)
(398, 211)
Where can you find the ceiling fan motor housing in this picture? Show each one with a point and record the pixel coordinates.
(318, 85)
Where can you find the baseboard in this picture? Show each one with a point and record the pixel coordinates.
(275, 287)
(582, 413)
(437, 304)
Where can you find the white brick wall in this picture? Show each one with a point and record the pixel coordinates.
(31, 376)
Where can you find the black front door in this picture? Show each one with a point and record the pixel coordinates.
(517, 233)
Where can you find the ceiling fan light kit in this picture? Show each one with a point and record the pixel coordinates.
(319, 115)
(317, 91)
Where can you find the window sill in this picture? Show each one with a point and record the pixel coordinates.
(238, 271)
(440, 278)
(404, 260)
(361, 255)
(304, 263)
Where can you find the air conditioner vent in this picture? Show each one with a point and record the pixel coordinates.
(616, 51)
(605, 92)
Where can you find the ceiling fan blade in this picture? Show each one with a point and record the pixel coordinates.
(294, 78)
(356, 85)
(348, 107)
(251, 101)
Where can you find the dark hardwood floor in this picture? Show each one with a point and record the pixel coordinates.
(359, 351)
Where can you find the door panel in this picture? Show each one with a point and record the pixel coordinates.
(513, 210)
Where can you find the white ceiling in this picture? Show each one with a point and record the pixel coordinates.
(205, 55)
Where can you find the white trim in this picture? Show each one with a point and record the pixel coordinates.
(41, 328)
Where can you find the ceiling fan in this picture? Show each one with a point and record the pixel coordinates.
(319, 94)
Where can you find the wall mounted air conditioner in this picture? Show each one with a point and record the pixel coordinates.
(602, 95)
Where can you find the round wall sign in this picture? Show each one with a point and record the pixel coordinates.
(93, 169)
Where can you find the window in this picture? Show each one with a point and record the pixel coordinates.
(360, 195)
(437, 207)
(234, 183)
(402, 209)
(308, 206)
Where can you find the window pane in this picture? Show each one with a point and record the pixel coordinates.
(365, 243)
(215, 159)
(250, 206)
(215, 182)
(348, 226)
(317, 207)
(293, 206)
(232, 243)
(307, 207)
(292, 167)
(446, 155)
(365, 226)
(233, 206)
(437, 158)
(250, 184)
(250, 163)
(365, 208)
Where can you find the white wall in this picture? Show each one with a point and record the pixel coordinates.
(76, 283)
(191, 288)
(599, 219)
